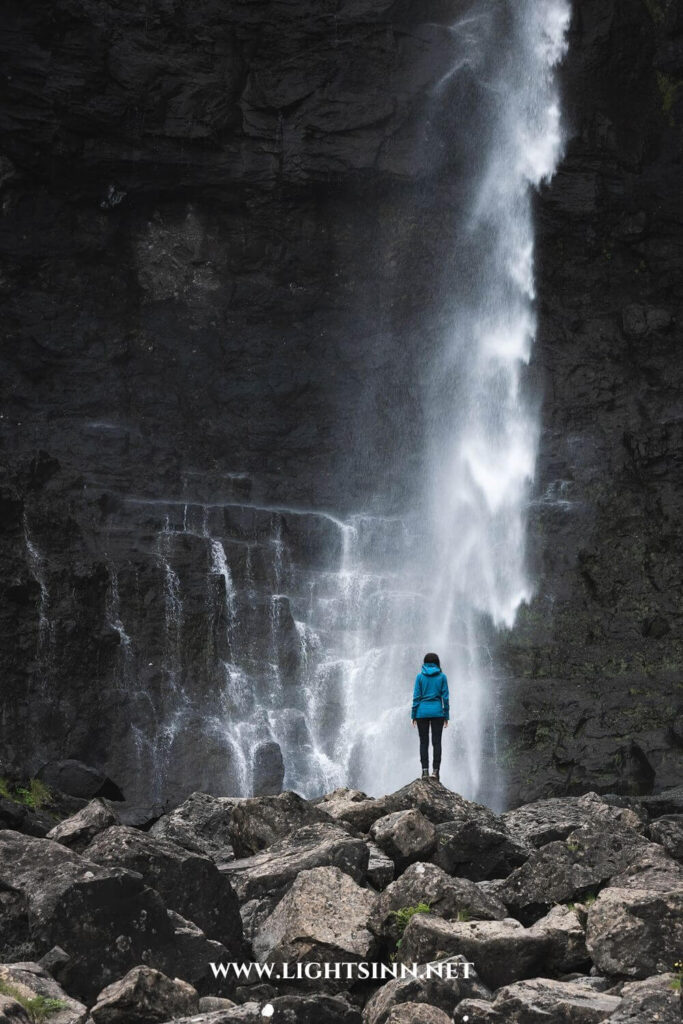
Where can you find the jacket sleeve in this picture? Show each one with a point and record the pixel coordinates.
(445, 698)
(417, 693)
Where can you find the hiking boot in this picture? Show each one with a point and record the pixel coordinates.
(435, 774)
(425, 773)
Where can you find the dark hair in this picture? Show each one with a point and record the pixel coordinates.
(432, 659)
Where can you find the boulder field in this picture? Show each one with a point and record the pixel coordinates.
(564, 910)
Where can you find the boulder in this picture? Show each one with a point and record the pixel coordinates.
(553, 820)
(209, 1004)
(474, 850)
(669, 801)
(144, 996)
(566, 940)
(22, 819)
(106, 920)
(439, 804)
(668, 832)
(653, 1001)
(81, 828)
(542, 1000)
(652, 868)
(189, 883)
(564, 871)
(194, 954)
(12, 1012)
(353, 807)
(254, 913)
(324, 918)
(446, 897)
(268, 769)
(501, 951)
(431, 985)
(260, 821)
(417, 1013)
(635, 933)
(77, 779)
(477, 1011)
(405, 836)
(271, 872)
(30, 980)
(380, 867)
(201, 824)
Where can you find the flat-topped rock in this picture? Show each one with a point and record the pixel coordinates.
(258, 822)
(547, 821)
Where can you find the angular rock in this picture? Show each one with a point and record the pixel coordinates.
(417, 1013)
(566, 938)
(380, 867)
(668, 832)
(81, 828)
(353, 807)
(324, 917)
(77, 779)
(254, 913)
(268, 771)
(634, 932)
(405, 836)
(209, 1004)
(323, 845)
(542, 1000)
(190, 884)
(200, 824)
(144, 996)
(476, 1011)
(471, 849)
(439, 804)
(12, 1012)
(564, 871)
(23, 819)
(29, 980)
(260, 821)
(653, 868)
(432, 986)
(447, 897)
(548, 821)
(653, 1001)
(669, 801)
(194, 954)
(105, 919)
(501, 951)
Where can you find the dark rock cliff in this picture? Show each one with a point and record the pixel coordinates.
(224, 251)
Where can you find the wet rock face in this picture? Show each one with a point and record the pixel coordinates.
(198, 201)
(596, 655)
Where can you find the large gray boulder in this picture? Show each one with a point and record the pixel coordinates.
(668, 831)
(78, 779)
(417, 1013)
(201, 824)
(324, 918)
(635, 932)
(353, 807)
(260, 821)
(566, 940)
(470, 848)
(194, 953)
(81, 828)
(547, 821)
(501, 951)
(144, 996)
(544, 1001)
(272, 871)
(566, 871)
(441, 984)
(449, 898)
(405, 836)
(477, 1011)
(31, 981)
(381, 868)
(106, 920)
(188, 883)
(439, 804)
(268, 769)
(652, 1001)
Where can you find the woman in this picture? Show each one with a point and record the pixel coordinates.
(430, 708)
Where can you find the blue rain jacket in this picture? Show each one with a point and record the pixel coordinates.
(430, 695)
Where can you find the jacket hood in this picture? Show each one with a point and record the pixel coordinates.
(431, 670)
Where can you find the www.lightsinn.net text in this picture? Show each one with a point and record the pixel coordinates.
(341, 970)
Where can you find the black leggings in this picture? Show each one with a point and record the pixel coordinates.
(423, 729)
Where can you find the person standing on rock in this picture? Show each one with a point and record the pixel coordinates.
(431, 708)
